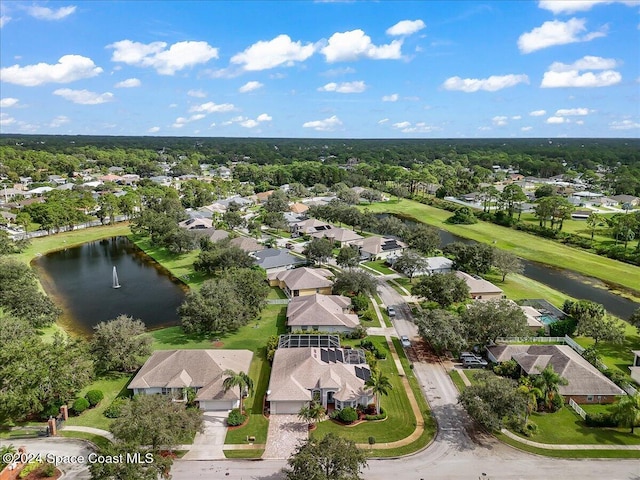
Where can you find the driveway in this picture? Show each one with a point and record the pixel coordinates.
(286, 432)
(209, 444)
(61, 451)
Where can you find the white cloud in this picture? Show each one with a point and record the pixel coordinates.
(579, 122)
(384, 120)
(59, 121)
(516, 117)
(419, 127)
(568, 75)
(264, 117)
(345, 87)
(499, 121)
(153, 130)
(557, 120)
(572, 6)
(8, 102)
(250, 87)
(353, 45)
(555, 32)
(624, 125)
(84, 97)
(400, 125)
(44, 13)
(406, 27)
(211, 107)
(484, 129)
(6, 119)
(165, 61)
(4, 19)
(182, 121)
(491, 84)
(563, 112)
(197, 93)
(538, 113)
(250, 123)
(326, 125)
(391, 98)
(128, 83)
(526, 129)
(280, 51)
(335, 72)
(68, 69)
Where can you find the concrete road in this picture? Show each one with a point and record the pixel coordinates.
(60, 451)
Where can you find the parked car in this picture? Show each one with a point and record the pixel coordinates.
(391, 311)
(464, 355)
(405, 341)
(469, 362)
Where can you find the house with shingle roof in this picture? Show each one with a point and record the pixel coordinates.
(302, 281)
(307, 227)
(274, 260)
(585, 382)
(247, 244)
(325, 313)
(343, 236)
(197, 223)
(479, 288)
(377, 247)
(169, 372)
(334, 375)
(298, 207)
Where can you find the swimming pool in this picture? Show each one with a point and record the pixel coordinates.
(547, 319)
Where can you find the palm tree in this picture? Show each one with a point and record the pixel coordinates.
(627, 411)
(312, 413)
(531, 395)
(548, 381)
(379, 385)
(240, 380)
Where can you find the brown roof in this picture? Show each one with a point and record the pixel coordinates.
(338, 235)
(305, 278)
(247, 244)
(312, 225)
(375, 245)
(298, 207)
(322, 311)
(192, 368)
(478, 285)
(583, 378)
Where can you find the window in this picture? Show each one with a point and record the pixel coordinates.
(166, 391)
(589, 398)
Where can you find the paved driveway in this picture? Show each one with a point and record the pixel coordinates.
(285, 433)
(209, 444)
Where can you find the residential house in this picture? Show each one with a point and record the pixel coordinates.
(326, 313)
(630, 199)
(438, 265)
(276, 260)
(199, 223)
(170, 372)
(298, 208)
(335, 376)
(247, 244)
(302, 281)
(262, 196)
(585, 383)
(376, 247)
(161, 180)
(218, 235)
(224, 173)
(479, 288)
(57, 179)
(635, 366)
(130, 178)
(342, 236)
(307, 227)
(533, 316)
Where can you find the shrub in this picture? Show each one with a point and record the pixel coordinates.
(348, 415)
(48, 470)
(617, 377)
(380, 416)
(562, 327)
(509, 369)
(272, 345)
(335, 415)
(51, 410)
(600, 420)
(80, 405)
(28, 468)
(236, 418)
(113, 410)
(368, 316)
(360, 303)
(357, 333)
(94, 397)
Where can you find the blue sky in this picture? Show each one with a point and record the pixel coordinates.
(358, 69)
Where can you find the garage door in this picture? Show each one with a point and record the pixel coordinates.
(216, 405)
(282, 408)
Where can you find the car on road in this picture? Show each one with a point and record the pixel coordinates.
(469, 362)
(391, 312)
(405, 341)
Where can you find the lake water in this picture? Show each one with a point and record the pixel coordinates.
(79, 280)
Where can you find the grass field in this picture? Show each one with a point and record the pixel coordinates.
(93, 417)
(521, 244)
(379, 266)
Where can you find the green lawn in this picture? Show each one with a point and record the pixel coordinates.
(111, 387)
(400, 422)
(97, 440)
(519, 287)
(457, 379)
(243, 453)
(379, 266)
(276, 293)
(520, 243)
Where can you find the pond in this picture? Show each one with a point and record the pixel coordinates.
(80, 280)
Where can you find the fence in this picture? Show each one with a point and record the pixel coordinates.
(577, 408)
(278, 301)
(531, 340)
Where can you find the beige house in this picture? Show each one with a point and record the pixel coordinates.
(302, 281)
(343, 236)
(169, 372)
(247, 244)
(380, 248)
(533, 318)
(307, 227)
(326, 313)
(479, 288)
(298, 207)
(196, 223)
(585, 383)
(334, 375)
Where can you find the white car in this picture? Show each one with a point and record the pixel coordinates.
(405, 341)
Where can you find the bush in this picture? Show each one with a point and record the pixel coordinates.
(236, 418)
(380, 416)
(357, 333)
(348, 415)
(48, 470)
(617, 377)
(360, 302)
(272, 345)
(28, 468)
(114, 410)
(51, 410)
(94, 397)
(368, 316)
(600, 420)
(562, 327)
(509, 369)
(80, 405)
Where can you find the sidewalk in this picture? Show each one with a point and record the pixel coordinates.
(548, 446)
(94, 431)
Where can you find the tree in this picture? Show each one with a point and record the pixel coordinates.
(410, 263)
(379, 384)
(151, 466)
(494, 400)
(109, 207)
(312, 413)
(442, 329)
(601, 328)
(544, 191)
(506, 263)
(473, 258)
(233, 219)
(423, 238)
(593, 221)
(277, 202)
(627, 411)
(486, 321)
(512, 195)
(348, 196)
(442, 288)
(155, 421)
(635, 319)
(462, 216)
(348, 256)
(583, 308)
(222, 257)
(331, 458)
(240, 380)
(318, 250)
(120, 344)
(549, 382)
(371, 195)
(354, 282)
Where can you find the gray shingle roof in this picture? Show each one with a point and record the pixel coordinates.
(305, 278)
(275, 258)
